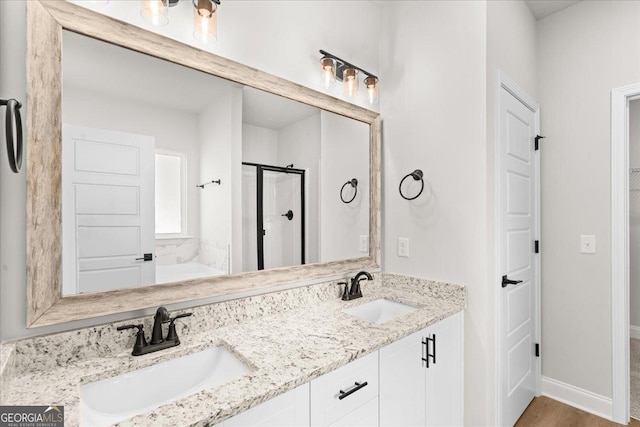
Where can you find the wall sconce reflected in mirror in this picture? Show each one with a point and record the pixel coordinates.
(205, 16)
(334, 68)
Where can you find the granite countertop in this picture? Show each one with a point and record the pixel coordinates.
(283, 350)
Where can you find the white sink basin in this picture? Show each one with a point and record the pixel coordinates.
(380, 310)
(112, 400)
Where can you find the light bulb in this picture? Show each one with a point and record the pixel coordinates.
(328, 68)
(205, 20)
(350, 79)
(155, 11)
(371, 83)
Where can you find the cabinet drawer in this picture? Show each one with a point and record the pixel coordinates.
(326, 405)
(364, 416)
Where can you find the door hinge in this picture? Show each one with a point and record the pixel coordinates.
(537, 143)
(536, 246)
(537, 350)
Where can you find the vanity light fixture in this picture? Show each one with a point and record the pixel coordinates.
(205, 17)
(155, 12)
(334, 68)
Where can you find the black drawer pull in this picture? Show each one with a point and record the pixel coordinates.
(352, 390)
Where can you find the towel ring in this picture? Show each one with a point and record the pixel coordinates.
(354, 184)
(13, 124)
(417, 176)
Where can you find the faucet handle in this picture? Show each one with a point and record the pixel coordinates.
(345, 294)
(171, 333)
(141, 341)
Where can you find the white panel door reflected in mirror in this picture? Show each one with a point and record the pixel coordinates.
(201, 129)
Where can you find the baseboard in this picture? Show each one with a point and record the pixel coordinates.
(577, 397)
(634, 331)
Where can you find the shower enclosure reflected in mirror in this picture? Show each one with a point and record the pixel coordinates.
(171, 174)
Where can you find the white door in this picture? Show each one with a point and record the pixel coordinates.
(108, 221)
(517, 228)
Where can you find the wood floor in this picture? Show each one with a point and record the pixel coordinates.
(550, 413)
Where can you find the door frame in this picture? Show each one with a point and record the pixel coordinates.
(620, 297)
(505, 82)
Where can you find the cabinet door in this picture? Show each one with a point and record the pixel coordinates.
(290, 409)
(402, 383)
(444, 379)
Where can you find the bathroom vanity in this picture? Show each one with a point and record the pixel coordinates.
(299, 350)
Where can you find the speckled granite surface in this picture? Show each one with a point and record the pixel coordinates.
(287, 338)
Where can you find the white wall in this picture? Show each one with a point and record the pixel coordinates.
(258, 34)
(259, 145)
(345, 155)
(584, 51)
(299, 144)
(434, 108)
(172, 129)
(215, 129)
(634, 211)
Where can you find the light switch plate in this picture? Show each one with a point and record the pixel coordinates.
(587, 244)
(403, 247)
(364, 243)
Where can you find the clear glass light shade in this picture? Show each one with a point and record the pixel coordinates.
(155, 11)
(328, 69)
(350, 81)
(371, 83)
(205, 21)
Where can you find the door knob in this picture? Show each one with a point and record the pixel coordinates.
(506, 281)
(146, 257)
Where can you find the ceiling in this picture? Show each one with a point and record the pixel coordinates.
(121, 73)
(544, 8)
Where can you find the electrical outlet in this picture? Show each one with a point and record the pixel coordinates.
(403, 247)
(587, 244)
(364, 243)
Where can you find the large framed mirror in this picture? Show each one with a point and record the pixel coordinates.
(159, 173)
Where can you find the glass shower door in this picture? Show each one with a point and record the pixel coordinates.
(281, 216)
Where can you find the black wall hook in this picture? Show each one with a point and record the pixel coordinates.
(417, 175)
(354, 184)
(13, 126)
(215, 181)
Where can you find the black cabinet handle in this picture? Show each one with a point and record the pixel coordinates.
(352, 390)
(506, 281)
(426, 342)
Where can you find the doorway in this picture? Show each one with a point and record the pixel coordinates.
(274, 215)
(621, 229)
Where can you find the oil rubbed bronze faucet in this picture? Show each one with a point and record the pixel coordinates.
(354, 291)
(157, 341)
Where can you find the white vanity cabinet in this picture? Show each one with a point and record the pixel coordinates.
(347, 396)
(290, 409)
(392, 387)
(412, 394)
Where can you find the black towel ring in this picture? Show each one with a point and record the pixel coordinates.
(354, 184)
(417, 176)
(13, 124)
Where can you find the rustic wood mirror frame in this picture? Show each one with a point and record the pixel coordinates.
(45, 304)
